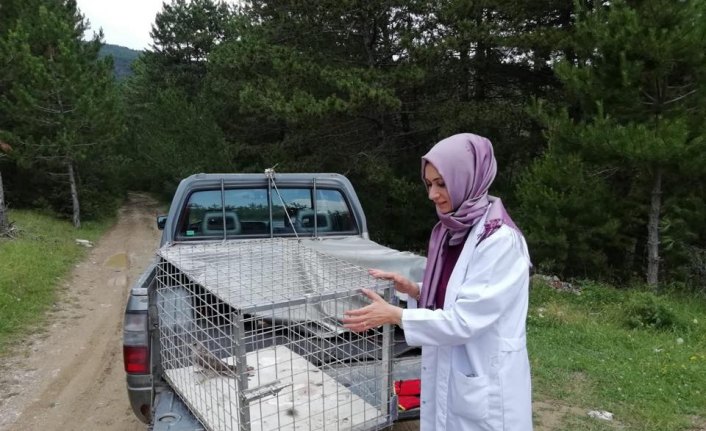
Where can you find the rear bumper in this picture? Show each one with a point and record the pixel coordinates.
(171, 414)
(139, 391)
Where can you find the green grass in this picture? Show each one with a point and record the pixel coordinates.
(587, 351)
(33, 265)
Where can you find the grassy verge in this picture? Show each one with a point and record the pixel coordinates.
(638, 355)
(33, 265)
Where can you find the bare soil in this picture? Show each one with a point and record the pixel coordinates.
(69, 374)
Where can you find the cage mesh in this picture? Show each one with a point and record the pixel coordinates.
(251, 337)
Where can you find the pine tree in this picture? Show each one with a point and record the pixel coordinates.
(637, 87)
(60, 103)
(172, 130)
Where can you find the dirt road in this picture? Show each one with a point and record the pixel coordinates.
(70, 376)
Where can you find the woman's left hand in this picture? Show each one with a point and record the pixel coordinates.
(378, 313)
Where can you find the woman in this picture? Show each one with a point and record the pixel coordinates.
(469, 312)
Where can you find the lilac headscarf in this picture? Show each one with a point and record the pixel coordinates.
(467, 165)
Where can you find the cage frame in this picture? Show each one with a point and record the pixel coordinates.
(246, 394)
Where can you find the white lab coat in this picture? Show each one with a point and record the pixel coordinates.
(475, 369)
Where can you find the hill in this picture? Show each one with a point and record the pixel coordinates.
(122, 59)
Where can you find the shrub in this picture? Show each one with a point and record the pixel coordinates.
(645, 310)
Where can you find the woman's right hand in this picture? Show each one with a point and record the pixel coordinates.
(402, 284)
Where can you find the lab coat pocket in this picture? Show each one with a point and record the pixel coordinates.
(469, 396)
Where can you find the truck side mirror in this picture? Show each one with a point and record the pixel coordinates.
(161, 221)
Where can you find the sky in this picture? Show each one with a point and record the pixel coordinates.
(124, 22)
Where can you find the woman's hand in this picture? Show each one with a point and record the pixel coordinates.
(402, 284)
(378, 313)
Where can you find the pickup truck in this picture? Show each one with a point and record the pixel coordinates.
(225, 207)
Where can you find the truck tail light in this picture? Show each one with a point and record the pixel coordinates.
(136, 354)
(136, 359)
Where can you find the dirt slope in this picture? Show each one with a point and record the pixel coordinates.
(70, 375)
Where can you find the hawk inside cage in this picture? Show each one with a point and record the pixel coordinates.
(251, 337)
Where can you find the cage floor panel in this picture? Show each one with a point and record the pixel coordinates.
(309, 399)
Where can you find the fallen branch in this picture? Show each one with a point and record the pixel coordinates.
(9, 231)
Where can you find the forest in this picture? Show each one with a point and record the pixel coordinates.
(595, 109)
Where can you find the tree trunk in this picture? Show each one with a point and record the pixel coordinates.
(74, 196)
(653, 231)
(4, 225)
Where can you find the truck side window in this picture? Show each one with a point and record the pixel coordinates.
(336, 214)
(333, 215)
(286, 205)
(195, 222)
(252, 208)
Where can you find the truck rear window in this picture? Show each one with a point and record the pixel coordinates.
(246, 213)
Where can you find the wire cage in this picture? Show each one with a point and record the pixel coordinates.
(251, 337)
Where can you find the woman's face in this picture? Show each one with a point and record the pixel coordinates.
(437, 189)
